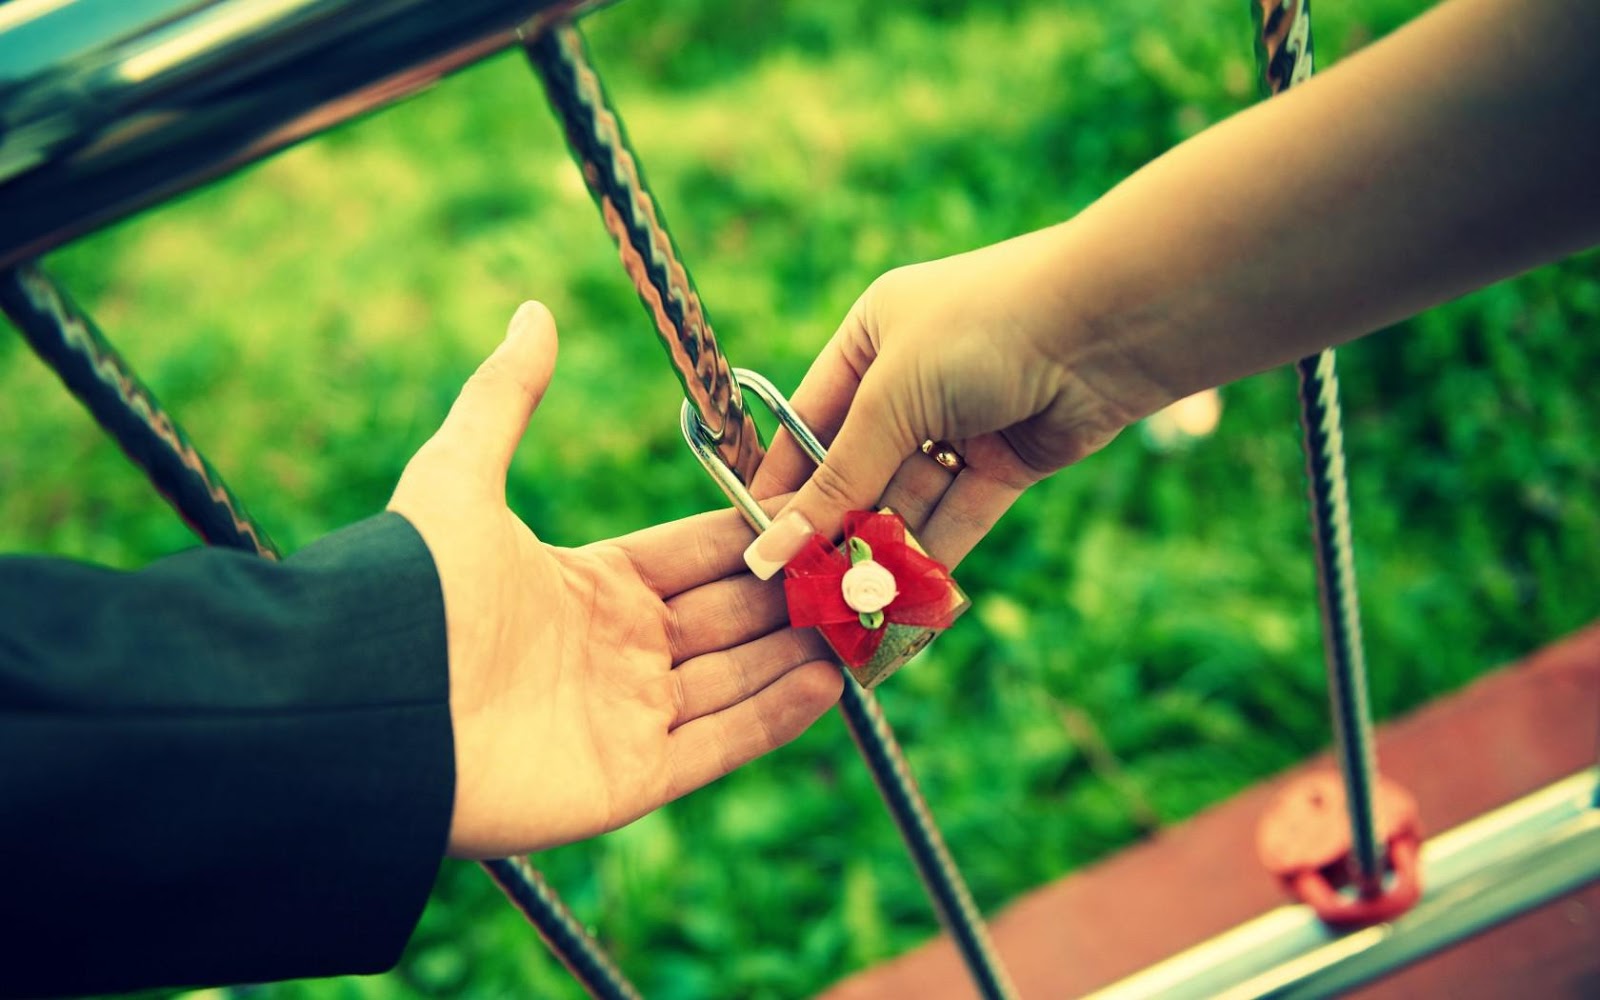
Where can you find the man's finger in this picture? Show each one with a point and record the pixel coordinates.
(709, 747)
(489, 417)
(692, 551)
(723, 614)
(719, 680)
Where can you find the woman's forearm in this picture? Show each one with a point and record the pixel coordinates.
(1462, 149)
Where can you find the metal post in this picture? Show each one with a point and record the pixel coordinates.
(1284, 59)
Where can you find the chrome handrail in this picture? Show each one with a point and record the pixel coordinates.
(1478, 875)
(108, 106)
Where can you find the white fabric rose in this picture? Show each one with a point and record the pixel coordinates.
(868, 586)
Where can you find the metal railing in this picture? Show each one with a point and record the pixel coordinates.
(107, 109)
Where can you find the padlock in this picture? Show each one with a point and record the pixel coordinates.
(895, 642)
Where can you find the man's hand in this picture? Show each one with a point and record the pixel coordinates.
(589, 686)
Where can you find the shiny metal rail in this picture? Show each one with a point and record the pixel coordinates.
(1480, 874)
(107, 106)
(1284, 59)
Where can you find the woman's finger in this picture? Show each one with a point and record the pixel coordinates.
(822, 400)
(915, 490)
(870, 446)
(971, 506)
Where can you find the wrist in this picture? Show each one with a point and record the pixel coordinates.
(1100, 338)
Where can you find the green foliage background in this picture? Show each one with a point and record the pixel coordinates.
(311, 318)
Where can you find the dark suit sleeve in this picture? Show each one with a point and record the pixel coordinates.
(220, 769)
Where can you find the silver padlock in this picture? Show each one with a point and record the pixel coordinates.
(900, 642)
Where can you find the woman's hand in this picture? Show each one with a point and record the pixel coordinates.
(1315, 217)
(967, 350)
(591, 685)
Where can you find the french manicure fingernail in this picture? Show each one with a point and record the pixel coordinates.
(778, 544)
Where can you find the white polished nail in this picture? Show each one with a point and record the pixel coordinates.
(778, 544)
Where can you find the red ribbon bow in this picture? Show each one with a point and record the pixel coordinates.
(926, 596)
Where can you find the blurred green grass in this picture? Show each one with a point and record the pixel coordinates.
(311, 318)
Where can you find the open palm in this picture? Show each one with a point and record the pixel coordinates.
(590, 685)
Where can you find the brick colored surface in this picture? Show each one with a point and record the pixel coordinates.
(1508, 734)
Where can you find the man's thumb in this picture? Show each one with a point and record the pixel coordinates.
(489, 417)
(861, 461)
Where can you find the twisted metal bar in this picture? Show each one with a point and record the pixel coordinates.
(66, 339)
(869, 728)
(567, 939)
(648, 252)
(611, 170)
(1285, 59)
(1341, 615)
(952, 900)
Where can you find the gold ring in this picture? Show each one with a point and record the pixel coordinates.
(945, 454)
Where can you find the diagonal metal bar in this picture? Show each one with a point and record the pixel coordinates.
(869, 728)
(611, 170)
(566, 937)
(67, 340)
(635, 222)
(1284, 58)
(952, 900)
